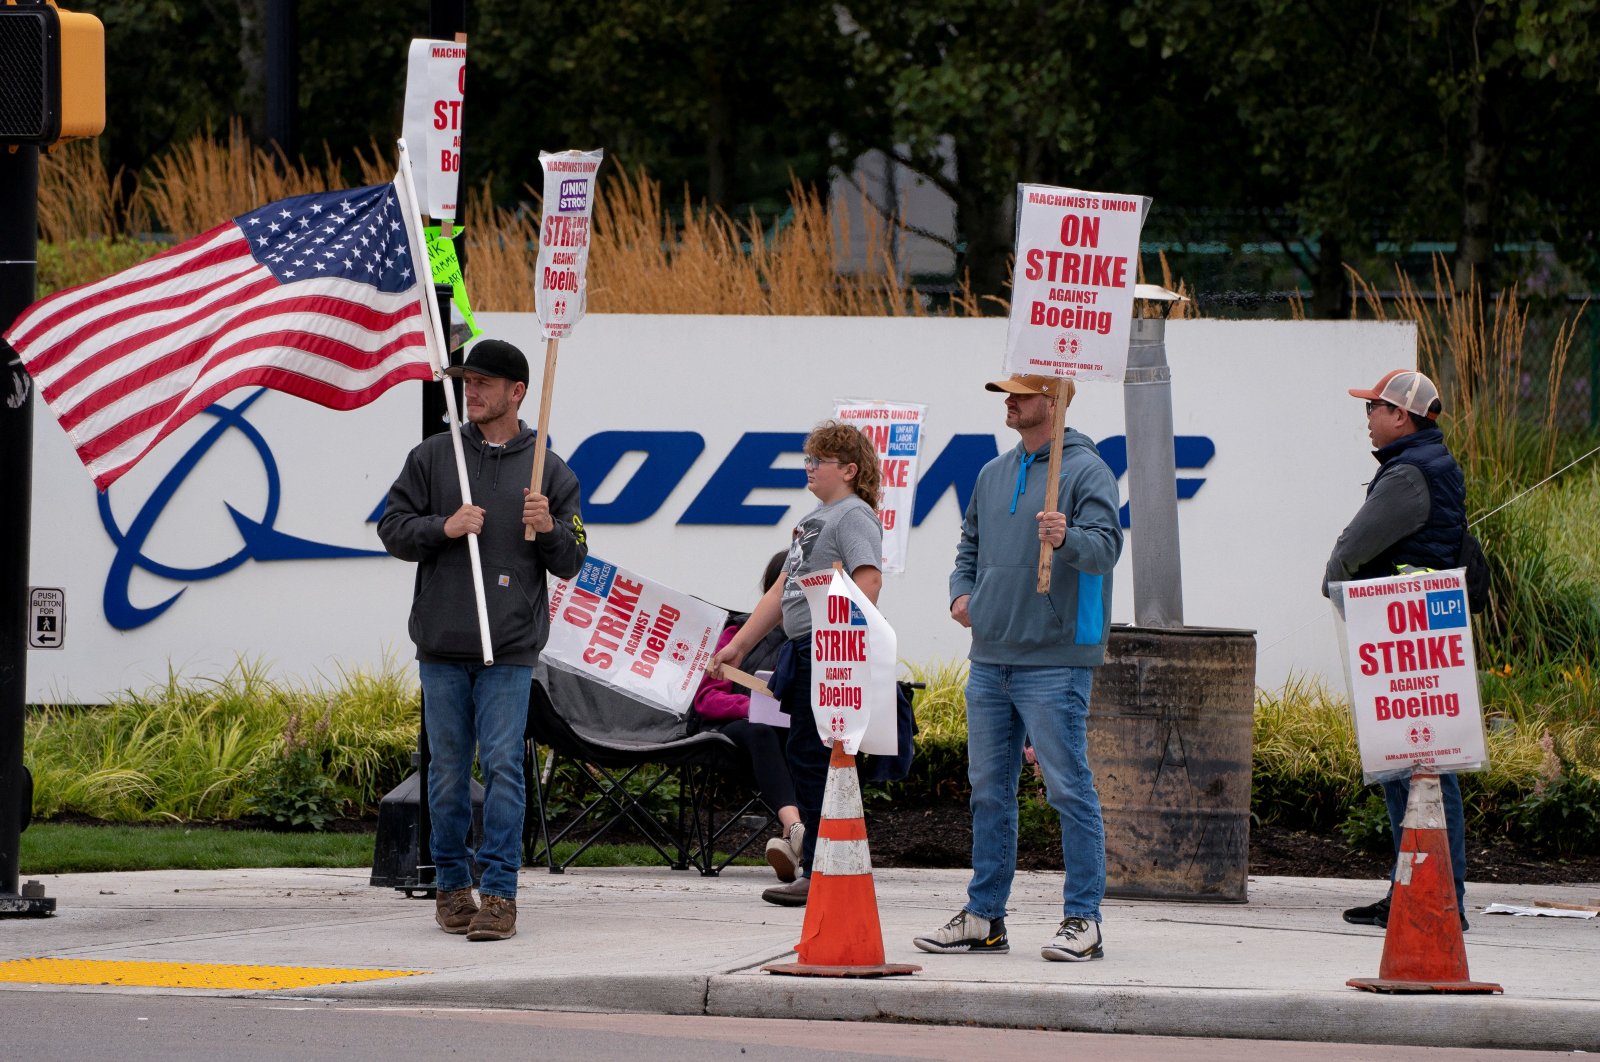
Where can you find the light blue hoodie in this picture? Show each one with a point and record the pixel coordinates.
(998, 558)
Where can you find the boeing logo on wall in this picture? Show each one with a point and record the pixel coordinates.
(668, 457)
(259, 540)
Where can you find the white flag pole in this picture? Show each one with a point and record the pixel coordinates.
(434, 333)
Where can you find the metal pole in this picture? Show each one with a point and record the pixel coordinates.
(283, 75)
(1152, 478)
(19, 215)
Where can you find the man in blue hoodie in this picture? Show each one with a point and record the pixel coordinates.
(469, 707)
(1033, 659)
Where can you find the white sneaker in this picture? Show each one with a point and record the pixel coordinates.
(969, 933)
(1078, 940)
(784, 853)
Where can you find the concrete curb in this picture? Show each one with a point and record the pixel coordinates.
(1347, 1016)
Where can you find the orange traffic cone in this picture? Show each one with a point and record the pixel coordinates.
(841, 936)
(1422, 946)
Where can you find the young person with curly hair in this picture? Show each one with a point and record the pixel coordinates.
(842, 471)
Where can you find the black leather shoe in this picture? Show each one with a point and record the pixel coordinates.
(1373, 914)
(791, 895)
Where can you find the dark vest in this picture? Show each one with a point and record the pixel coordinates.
(1437, 544)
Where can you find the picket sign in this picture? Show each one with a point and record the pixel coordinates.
(632, 634)
(561, 283)
(895, 429)
(853, 658)
(436, 74)
(1077, 257)
(1411, 669)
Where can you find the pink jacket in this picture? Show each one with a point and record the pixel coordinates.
(715, 700)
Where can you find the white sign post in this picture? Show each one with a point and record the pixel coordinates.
(853, 656)
(1409, 661)
(632, 634)
(436, 74)
(895, 429)
(1072, 292)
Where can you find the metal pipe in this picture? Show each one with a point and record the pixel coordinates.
(1152, 478)
(19, 201)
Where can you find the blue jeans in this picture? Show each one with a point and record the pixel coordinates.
(1396, 794)
(1050, 705)
(804, 752)
(471, 708)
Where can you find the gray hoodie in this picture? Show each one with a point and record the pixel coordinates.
(444, 615)
(998, 558)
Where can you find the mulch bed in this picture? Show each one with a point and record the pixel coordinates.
(940, 835)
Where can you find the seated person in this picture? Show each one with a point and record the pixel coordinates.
(720, 705)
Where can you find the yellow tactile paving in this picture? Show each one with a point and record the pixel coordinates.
(45, 971)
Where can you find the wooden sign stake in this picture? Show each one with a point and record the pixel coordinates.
(1052, 485)
(537, 484)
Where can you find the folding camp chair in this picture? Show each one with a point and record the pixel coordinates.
(626, 753)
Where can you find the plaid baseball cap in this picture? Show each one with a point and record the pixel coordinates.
(1408, 389)
(1024, 384)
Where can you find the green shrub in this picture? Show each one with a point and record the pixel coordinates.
(194, 749)
(291, 787)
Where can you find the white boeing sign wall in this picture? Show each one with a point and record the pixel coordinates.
(251, 533)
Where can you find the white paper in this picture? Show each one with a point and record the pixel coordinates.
(1546, 912)
(764, 709)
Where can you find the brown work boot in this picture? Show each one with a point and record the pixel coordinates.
(495, 920)
(453, 909)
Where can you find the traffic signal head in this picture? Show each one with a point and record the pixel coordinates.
(52, 74)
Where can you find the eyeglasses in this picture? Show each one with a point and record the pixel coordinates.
(813, 463)
(1371, 405)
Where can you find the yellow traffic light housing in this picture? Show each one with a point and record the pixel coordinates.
(52, 74)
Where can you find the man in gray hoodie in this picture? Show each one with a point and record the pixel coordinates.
(1032, 665)
(469, 707)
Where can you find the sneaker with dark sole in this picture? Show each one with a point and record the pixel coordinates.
(968, 933)
(1377, 914)
(791, 895)
(1373, 914)
(495, 920)
(1077, 940)
(454, 909)
(784, 853)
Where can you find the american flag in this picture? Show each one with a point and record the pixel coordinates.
(315, 295)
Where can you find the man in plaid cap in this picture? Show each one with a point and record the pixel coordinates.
(1414, 518)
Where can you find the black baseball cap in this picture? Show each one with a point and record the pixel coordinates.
(494, 357)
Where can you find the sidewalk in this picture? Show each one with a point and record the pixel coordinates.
(658, 941)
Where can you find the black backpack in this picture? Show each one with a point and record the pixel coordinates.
(1477, 565)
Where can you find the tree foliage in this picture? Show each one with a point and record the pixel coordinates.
(1335, 126)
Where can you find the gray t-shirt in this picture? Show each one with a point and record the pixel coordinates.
(846, 530)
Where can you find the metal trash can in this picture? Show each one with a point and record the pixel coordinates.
(1171, 743)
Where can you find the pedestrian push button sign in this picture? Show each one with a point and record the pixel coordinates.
(47, 617)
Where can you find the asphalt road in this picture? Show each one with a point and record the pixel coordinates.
(50, 1026)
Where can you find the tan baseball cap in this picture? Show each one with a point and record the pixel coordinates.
(1024, 384)
(1408, 389)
